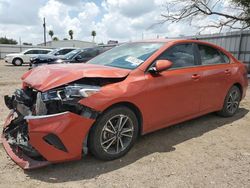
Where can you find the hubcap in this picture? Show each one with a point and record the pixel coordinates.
(18, 62)
(233, 101)
(117, 134)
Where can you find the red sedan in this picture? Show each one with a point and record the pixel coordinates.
(102, 106)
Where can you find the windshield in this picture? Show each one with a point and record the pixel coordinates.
(71, 54)
(128, 56)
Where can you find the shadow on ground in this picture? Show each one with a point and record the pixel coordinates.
(23, 65)
(160, 141)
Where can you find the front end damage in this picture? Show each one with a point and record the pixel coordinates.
(47, 127)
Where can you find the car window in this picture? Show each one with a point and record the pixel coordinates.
(127, 56)
(180, 55)
(29, 52)
(209, 55)
(37, 52)
(60, 52)
(88, 54)
(225, 58)
(42, 51)
(65, 51)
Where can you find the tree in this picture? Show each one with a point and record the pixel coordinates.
(55, 39)
(51, 33)
(4, 40)
(71, 34)
(27, 44)
(237, 15)
(93, 34)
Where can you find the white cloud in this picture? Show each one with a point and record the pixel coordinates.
(19, 12)
(121, 20)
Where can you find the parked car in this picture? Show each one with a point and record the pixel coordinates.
(18, 59)
(75, 56)
(55, 54)
(61, 51)
(106, 103)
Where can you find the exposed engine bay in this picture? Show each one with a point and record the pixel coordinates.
(28, 102)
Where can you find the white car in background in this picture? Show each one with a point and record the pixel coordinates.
(18, 59)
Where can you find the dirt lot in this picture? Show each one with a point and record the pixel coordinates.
(206, 152)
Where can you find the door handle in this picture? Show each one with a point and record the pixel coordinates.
(196, 76)
(227, 71)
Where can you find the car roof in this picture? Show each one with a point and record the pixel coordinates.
(39, 49)
(74, 48)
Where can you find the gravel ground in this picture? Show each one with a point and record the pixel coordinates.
(209, 151)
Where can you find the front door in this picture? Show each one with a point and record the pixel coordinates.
(174, 95)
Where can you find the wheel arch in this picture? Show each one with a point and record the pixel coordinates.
(129, 105)
(134, 108)
(13, 60)
(237, 84)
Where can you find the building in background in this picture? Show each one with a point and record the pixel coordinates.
(11, 48)
(69, 43)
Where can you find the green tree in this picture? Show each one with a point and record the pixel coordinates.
(71, 34)
(27, 44)
(93, 34)
(4, 40)
(51, 33)
(55, 39)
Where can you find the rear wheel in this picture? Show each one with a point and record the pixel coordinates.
(231, 103)
(114, 133)
(17, 62)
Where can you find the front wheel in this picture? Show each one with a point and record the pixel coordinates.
(113, 134)
(17, 62)
(231, 103)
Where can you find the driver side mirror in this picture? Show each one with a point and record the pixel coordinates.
(160, 66)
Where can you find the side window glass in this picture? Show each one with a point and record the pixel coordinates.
(59, 52)
(44, 51)
(65, 51)
(180, 55)
(209, 55)
(225, 58)
(29, 52)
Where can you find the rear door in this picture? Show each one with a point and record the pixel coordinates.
(174, 95)
(216, 73)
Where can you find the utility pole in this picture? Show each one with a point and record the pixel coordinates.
(20, 43)
(44, 31)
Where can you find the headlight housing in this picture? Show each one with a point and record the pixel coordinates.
(70, 92)
(82, 90)
(59, 61)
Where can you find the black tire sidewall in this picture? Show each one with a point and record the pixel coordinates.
(14, 61)
(224, 112)
(95, 133)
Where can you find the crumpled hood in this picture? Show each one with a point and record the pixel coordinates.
(46, 77)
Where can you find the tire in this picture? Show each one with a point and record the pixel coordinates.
(106, 141)
(17, 62)
(231, 102)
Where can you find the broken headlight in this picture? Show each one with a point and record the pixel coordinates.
(70, 92)
(80, 90)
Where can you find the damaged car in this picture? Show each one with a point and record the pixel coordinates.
(64, 111)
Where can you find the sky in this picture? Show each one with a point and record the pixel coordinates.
(122, 20)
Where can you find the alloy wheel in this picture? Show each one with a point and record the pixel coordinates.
(233, 101)
(117, 134)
